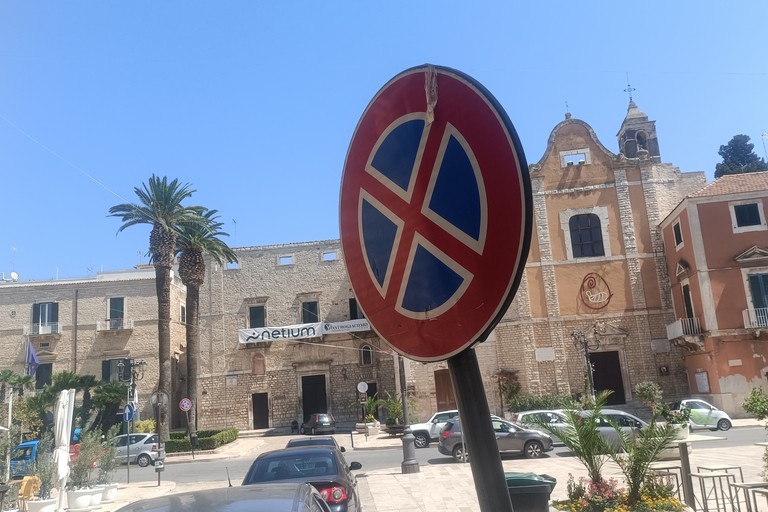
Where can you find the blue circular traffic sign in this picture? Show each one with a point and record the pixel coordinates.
(435, 212)
(128, 412)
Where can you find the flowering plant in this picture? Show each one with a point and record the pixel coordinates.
(607, 496)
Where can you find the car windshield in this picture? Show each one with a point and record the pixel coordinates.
(274, 469)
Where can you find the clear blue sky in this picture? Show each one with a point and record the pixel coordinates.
(254, 102)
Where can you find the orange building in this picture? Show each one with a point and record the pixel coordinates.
(716, 246)
(596, 273)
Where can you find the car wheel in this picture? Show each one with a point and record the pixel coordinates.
(302, 430)
(144, 460)
(460, 453)
(533, 450)
(723, 424)
(421, 440)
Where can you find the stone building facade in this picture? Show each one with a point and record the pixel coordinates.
(88, 326)
(596, 275)
(596, 272)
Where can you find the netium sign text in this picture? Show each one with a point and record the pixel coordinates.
(301, 331)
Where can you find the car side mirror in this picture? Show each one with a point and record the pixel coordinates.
(355, 466)
(342, 449)
(435, 421)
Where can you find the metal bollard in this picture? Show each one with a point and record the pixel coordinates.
(410, 464)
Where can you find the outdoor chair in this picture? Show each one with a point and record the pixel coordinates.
(30, 486)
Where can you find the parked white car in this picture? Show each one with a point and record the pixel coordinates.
(705, 415)
(427, 432)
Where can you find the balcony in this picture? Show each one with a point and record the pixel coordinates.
(686, 333)
(756, 318)
(44, 329)
(114, 325)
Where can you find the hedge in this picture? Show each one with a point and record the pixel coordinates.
(521, 402)
(207, 440)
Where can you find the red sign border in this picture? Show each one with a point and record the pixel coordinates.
(350, 237)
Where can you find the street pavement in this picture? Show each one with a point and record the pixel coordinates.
(447, 486)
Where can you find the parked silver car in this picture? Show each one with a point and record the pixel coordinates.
(144, 449)
(510, 438)
(534, 419)
(628, 423)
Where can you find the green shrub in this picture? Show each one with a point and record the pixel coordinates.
(177, 445)
(207, 440)
(523, 402)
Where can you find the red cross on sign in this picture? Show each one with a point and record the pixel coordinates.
(435, 212)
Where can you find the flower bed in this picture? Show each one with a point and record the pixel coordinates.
(607, 496)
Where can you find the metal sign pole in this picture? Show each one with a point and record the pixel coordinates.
(485, 460)
(190, 436)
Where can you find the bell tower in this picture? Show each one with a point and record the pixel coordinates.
(637, 135)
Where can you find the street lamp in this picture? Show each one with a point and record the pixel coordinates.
(587, 344)
(135, 373)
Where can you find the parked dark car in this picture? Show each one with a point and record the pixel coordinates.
(318, 423)
(283, 497)
(510, 438)
(322, 466)
(314, 441)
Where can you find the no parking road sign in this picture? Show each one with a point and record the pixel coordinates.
(435, 212)
(185, 404)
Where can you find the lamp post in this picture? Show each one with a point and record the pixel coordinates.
(135, 373)
(586, 344)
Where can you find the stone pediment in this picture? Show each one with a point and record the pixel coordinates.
(752, 257)
(610, 334)
(682, 269)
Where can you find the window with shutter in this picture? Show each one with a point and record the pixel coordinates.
(309, 312)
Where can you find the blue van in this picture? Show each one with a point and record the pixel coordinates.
(23, 458)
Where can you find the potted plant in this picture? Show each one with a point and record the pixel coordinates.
(80, 485)
(45, 470)
(678, 419)
(106, 464)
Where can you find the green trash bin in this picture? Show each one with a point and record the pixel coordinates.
(530, 492)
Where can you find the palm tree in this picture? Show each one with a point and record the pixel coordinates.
(19, 383)
(107, 397)
(194, 242)
(6, 377)
(160, 206)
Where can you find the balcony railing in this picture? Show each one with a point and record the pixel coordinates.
(683, 327)
(755, 318)
(42, 329)
(114, 324)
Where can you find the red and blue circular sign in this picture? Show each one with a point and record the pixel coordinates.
(435, 212)
(185, 404)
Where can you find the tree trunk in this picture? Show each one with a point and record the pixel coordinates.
(163, 289)
(193, 350)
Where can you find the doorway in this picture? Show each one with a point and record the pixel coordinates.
(607, 373)
(446, 399)
(314, 398)
(260, 410)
